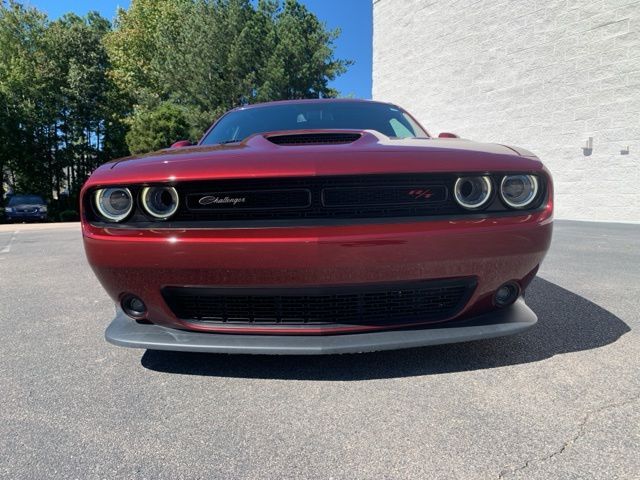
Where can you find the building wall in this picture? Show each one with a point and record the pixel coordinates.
(545, 75)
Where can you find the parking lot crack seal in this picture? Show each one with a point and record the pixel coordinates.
(580, 432)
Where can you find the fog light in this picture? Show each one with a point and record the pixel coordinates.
(133, 306)
(506, 294)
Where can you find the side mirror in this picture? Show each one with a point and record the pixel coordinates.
(447, 135)
(181, 143)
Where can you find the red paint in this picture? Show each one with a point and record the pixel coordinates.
(182, 144)
(494, 250)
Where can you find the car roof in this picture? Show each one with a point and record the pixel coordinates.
(310, 100)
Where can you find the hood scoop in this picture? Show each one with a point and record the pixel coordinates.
(329, 138)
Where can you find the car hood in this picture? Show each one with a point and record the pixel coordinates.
(372, 153)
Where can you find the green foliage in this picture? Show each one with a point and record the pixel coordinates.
(78, 91)
(57, 100)
(22, 86)
(213, 55)
(157, 128)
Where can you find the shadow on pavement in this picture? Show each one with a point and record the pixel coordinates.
(566, 323)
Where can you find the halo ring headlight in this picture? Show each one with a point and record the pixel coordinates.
(160, 202)
(519, 191)
(473, 193)
(114, 204)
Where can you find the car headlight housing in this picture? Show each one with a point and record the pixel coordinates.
(473, 193)
(519, 191)
(113, 204)
(160, 202)
(8, 209)
(43, 209)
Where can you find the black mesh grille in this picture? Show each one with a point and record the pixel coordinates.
(384, 195)
(369, 196)
(314, 138)
(350, 305)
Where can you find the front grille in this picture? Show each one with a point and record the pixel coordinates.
(375, 305)
(383, 195)
(368, 196)
(230, 201)
(314, 138)
(313, 200)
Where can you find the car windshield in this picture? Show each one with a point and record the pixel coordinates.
(386, 119)
(25, 200)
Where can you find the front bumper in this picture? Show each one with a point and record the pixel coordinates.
(143, 262)
(25, 217)
(125, 332)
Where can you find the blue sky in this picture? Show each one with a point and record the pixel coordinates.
(352, 16)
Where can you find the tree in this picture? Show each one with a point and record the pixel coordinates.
(23, 86)
(157, 128)
(84, 90)
(61, 115)
(212, 55)
(133, 42)
(77, 91)
(4, 133)
(299, 61)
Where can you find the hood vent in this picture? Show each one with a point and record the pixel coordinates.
(314, 138)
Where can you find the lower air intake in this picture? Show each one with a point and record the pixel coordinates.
(374, 304)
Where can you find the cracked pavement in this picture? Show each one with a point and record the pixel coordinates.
(558, 401)
(582, 429)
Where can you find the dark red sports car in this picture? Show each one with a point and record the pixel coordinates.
(318, 226)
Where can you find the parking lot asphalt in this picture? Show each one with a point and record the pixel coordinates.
(558, 401)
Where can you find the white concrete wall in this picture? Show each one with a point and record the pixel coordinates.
(543, 74)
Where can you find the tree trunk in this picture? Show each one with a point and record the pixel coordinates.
(1, 180)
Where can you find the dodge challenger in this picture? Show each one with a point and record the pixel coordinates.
(317, 226)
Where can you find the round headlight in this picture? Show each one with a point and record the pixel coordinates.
(114, 204)
(473, 192)
(518, 191)
(160, 202)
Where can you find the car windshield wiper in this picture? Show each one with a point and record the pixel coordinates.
(228, 141)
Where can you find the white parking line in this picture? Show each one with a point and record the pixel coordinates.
(23, 227)
(7, 247)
